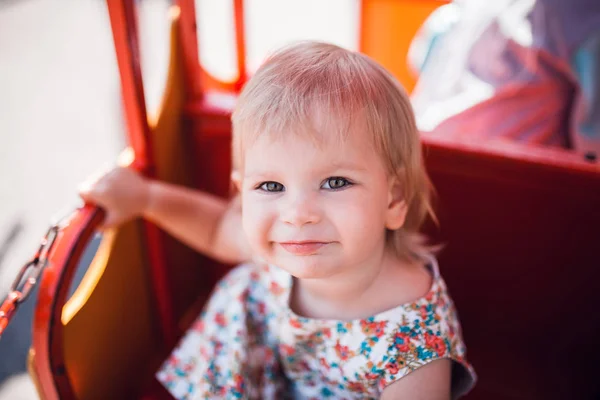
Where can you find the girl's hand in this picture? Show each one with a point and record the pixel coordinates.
(123, 193)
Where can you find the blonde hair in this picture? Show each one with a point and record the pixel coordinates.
(300, 84)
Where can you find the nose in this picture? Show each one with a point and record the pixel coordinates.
(300, 209)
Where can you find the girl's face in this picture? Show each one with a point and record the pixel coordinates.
(317, 210)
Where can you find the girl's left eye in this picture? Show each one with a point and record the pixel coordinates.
(335, 182)
(271, 187)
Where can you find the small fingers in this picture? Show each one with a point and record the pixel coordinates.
(112, 220)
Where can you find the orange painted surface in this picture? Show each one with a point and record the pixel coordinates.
(388, 27)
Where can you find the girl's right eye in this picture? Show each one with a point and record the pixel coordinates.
(271, 187)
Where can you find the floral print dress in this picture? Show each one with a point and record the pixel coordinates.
(249, 344)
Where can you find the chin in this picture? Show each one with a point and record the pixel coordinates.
(306, 267)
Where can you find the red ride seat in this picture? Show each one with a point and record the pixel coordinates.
(521, 226)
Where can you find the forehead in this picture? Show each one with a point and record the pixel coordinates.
(353, 150)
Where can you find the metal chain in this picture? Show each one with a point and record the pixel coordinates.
(27, 278)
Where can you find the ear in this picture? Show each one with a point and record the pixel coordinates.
(397, 207)
(236, 180)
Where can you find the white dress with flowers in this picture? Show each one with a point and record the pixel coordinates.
(249, 344)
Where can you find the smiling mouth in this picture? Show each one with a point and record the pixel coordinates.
(304, 248)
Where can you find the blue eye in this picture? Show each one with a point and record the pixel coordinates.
(271, 187)
(335, 183)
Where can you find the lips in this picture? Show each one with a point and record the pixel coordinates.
(303, 248)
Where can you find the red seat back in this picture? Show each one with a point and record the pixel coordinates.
(521, 231)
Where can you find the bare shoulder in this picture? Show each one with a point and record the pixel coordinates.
(429, 382)
(400, 284)
(409, 282)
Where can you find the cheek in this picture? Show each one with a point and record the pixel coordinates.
(257, 220)
(360, 218)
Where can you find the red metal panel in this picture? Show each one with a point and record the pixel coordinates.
(124, 27)
(54, 285)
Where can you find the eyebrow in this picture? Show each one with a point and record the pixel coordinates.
(348, 166)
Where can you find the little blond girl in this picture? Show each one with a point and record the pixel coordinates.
(336, 296)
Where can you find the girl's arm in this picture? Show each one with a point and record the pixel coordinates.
(207, 223)
(430, 382)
